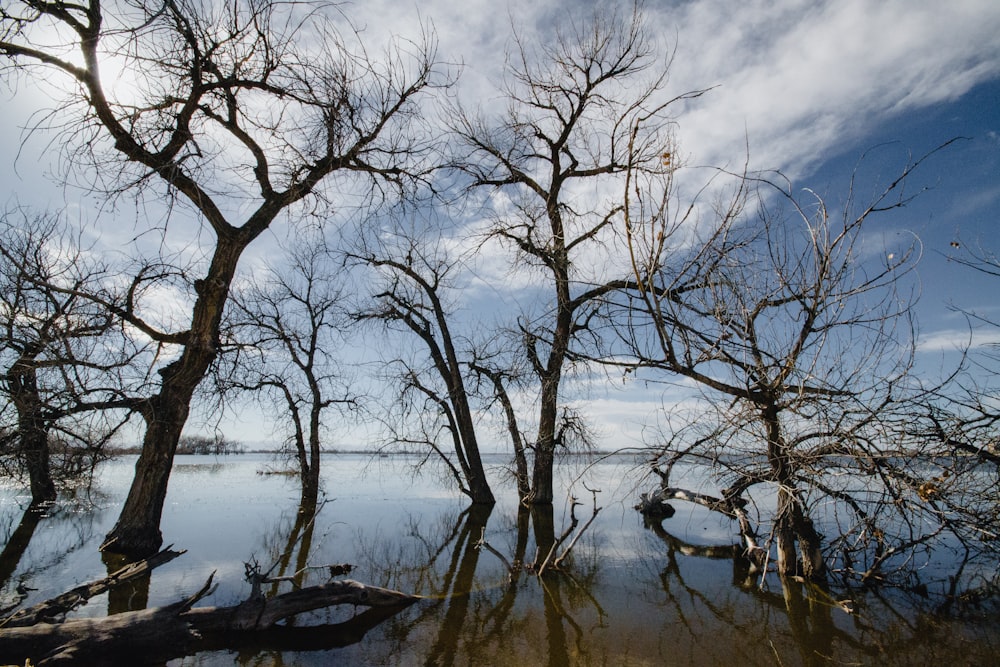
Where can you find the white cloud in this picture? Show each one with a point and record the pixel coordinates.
(801, 80)
(955, 340)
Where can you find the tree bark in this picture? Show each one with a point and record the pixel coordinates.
(32, 426)
(178, 628)
(137, 532)
(46, 611)
(551, 377)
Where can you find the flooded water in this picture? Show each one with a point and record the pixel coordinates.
(627, 595)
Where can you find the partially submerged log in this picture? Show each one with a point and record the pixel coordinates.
(653, 507)
(54, 609)
(180, 628)
(729, 505)
(264, 613)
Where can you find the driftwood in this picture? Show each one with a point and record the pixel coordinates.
(729, 505)
(179, 629)
(54, 609)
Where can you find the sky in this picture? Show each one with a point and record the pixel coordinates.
(802, 86)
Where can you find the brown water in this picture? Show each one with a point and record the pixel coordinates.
(628, 595)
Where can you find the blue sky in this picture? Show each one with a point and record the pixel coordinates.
(808, 86)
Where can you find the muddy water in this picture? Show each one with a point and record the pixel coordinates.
(627, 594)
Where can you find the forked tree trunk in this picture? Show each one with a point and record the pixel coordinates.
(794, 529)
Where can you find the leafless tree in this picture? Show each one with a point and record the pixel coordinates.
(235, 115)
(412, 290)
(970, 423)
(960, 418)
(65, 359)
(556, 156)
(287, 327)
(796, 322)
(498, 376)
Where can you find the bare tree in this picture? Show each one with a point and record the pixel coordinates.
(558, 155)
(287, 327)
(236, 114)
(801, 336)
(497, 377)
(412, 291)
(960, 418)
(970, 422)
(65, 359)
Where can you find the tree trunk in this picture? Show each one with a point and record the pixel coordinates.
(310, 479)
(520, 460)
(541, 479)
(35, 446)
(784, 536)
(475, 473)
(32, 426)
(451, 372)
(551, 376)
(137, 532)
(813, 566)
(545, 444)
(59, 606)
(792, 525)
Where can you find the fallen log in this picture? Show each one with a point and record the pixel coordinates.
(54, 609)
(729, 505)
(180, 629)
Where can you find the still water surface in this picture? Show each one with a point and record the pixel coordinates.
(629, 595)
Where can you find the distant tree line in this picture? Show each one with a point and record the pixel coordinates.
(217, 445)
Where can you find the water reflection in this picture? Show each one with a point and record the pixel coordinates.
(702, 605)
(297, 544)
(666, 594)
(18, 540)
(131, 595)
(46, 539)
(482, 609)
(459, 584)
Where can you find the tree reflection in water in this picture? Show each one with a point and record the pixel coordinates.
(481, 609)
(45, 537)
(701, 605)
(669, 594)
(787, 620)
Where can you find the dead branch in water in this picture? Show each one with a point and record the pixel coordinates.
(180, 628)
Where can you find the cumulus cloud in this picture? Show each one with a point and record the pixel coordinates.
(796, 78)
